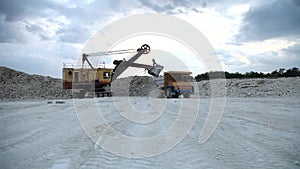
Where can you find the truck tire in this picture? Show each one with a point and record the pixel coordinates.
(168, 93)
(81, 94)
(186, 95)
(175, 96)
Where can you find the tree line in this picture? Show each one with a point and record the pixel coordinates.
(292, 72)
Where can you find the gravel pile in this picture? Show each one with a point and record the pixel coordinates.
(133, 86)
(17, 85)
(143, 86)
(252, 87)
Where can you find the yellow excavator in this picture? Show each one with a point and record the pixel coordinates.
(97, 80)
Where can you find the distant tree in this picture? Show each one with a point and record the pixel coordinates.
(261, 74)
(295, 69)
(216, 74)
(238, 75)
(281, 72)
(268, 75)
(275, 73)
(202, 77)
(251, 74)
(293, 72)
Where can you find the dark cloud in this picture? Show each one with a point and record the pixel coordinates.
(173, 6)
(271, 20)
(45, 37)
(80, 16)
(157, 6)
(263, 62)
(16, 15)
(285, 58)
(74, 35)
(33, 28)
(10, 33)
(293, 51)
(21, 32)
(18, 10)
(70, 24)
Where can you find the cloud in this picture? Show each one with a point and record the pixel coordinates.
(37, 36)
(74, 35)
(265, 62)
(10, 33)
(270, 61)
(38, 57)
(81, 17)
(262, 56)
(173, 6)
(293, 50)
(271, 20)
(292, 54)
(15, 10)
(232, 60)
(39, 17)
(54, 31)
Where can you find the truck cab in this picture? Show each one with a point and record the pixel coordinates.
(177, 83)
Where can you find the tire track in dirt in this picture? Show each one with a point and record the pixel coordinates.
(248, 133)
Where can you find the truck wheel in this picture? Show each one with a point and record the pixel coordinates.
(175, 96)
(81, 94)
(187, 95)
(168, 93)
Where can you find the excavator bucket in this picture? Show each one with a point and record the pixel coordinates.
(155, 70)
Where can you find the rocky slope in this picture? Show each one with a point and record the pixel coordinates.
(253, 87)
(133, 86)
(16, 85)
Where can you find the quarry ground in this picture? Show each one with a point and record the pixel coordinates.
(254, 132)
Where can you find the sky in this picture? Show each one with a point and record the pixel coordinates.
(37, 37)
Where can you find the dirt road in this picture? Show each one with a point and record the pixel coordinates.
(253, 133)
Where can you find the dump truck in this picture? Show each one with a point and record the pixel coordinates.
(176, 83)
(87, 78)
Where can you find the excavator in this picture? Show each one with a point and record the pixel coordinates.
(98, 80)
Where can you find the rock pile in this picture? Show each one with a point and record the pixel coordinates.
(253, 87)
(133, 86)
(144, 85)
(16, 85)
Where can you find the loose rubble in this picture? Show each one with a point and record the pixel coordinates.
(16, 85)
(253, 87)
(134, 86)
